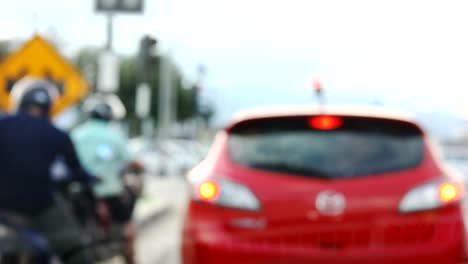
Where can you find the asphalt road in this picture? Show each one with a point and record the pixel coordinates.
(159, 242)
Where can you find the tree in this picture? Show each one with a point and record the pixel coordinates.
(129, 82)
(4, 49)
(86, 61)
(186, 108)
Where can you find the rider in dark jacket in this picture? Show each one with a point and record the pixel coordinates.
(29, 144)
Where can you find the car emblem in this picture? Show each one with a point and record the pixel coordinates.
(330, 203)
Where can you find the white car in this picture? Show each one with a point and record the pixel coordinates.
(169, 157)
(179, 158)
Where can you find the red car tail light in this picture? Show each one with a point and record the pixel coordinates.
(208, 191)
(432, 195)
(450, 192)
(225, 193)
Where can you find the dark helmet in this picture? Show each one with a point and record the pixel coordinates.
(107, 107)
(30, 92)
(102, 111)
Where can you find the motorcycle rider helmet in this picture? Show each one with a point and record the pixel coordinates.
(31, 93)
(116, 112)
(102, 111)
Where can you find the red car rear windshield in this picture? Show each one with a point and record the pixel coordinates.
(353, 147)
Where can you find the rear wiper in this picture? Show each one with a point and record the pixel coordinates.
(288, 168)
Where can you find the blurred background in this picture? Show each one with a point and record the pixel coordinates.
(177, 70)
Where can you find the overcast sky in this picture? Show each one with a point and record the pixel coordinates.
(407, 54)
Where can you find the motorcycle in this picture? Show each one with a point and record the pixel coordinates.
(19, 244)
(107, 239)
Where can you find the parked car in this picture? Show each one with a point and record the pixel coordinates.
(154, 160)
(181, 156)
(172, 157)
(459, 161)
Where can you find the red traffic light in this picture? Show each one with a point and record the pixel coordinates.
(317, 85)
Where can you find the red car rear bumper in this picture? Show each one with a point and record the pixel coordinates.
(209, 242)
(258, 254)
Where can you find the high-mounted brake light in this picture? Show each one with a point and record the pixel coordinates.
(325, 122)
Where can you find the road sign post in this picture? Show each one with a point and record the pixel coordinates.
(143, 100)
(108, 72)
(112, 7)
(108, 81)
(143, 108)
(166, 99)
(110, 31)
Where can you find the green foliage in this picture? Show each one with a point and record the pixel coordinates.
(86, 61)
(129, 81)
(86, 56)
(186, 107)
(4, 49)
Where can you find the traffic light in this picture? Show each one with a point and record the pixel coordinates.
(146, 57)
(317, 86)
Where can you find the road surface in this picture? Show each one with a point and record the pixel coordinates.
(159, 240)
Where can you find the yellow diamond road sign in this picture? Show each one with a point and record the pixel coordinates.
(37, 58)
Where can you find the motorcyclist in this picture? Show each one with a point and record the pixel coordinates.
(103, 150)
(29, 144)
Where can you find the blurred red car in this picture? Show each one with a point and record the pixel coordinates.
(323, 185)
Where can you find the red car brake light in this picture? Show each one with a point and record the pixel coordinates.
(208, 191)
(450, 192)
(325, 122)
(226, 193)
(432, 195)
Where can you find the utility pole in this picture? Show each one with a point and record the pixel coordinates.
(198, 88)
(146, 61)
(167, 96)
(108, 68)
(110, 30)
